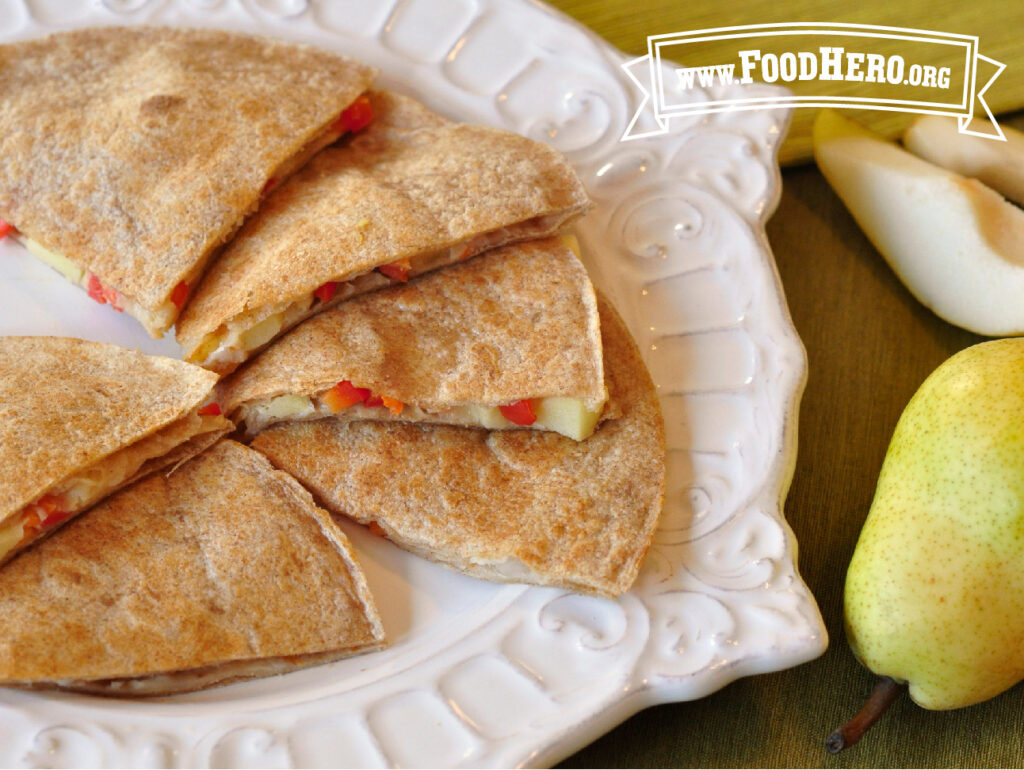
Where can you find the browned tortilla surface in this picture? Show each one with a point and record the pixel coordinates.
(65, 404)
(504, 505)
(226, 561)
(135, 152)
(411, 183)
(519, 322)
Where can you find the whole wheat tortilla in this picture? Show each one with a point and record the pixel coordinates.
(65, 404)
(518, 322)
(410, 184)
(135, 152)
(224, 568)
(505, 505)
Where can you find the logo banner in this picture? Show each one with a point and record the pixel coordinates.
(821, 65)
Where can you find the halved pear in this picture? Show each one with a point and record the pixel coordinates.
(955, 243)
(998, 164)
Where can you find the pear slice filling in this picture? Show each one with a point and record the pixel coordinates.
(58, 262)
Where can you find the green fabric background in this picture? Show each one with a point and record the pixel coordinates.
(869, 344)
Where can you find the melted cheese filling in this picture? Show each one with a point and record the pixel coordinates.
(223, 350)
(89, 486)
(570, 417)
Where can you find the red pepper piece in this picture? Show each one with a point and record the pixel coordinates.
(5, 228)
(521, 412)
(95, 289)
(325, 292)
(47, 512)
(393, 404)
(113, 298)
(104, 295)
(397, 271)
(270, 185)
(55, 518)
(343, 395)
(356, 116)
(179, 295)
(211, 409)
(31, 522)
(51, 504)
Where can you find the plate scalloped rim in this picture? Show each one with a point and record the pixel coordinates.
(509, 675)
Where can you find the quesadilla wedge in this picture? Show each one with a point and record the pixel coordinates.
(411, 193)
(515, 506)
(510, 339)
(223, 570)
(79, 420)
(131, 154)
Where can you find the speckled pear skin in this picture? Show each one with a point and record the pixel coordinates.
(935, 589)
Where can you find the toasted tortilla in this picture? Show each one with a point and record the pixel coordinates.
(516, 506)
(412, 190)
(75, 414)
(519, 322)
(223, 570)
(134, 153)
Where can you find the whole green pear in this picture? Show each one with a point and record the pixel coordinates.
(934, 595)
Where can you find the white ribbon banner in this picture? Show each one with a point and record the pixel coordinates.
(828, 53)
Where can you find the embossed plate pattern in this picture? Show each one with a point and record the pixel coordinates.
(482, 674)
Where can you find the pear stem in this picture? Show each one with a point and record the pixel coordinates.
(885, 693)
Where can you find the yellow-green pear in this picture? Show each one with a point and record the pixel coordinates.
(934, 595)
(955, 243)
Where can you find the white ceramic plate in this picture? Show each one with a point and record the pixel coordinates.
(482, 674)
